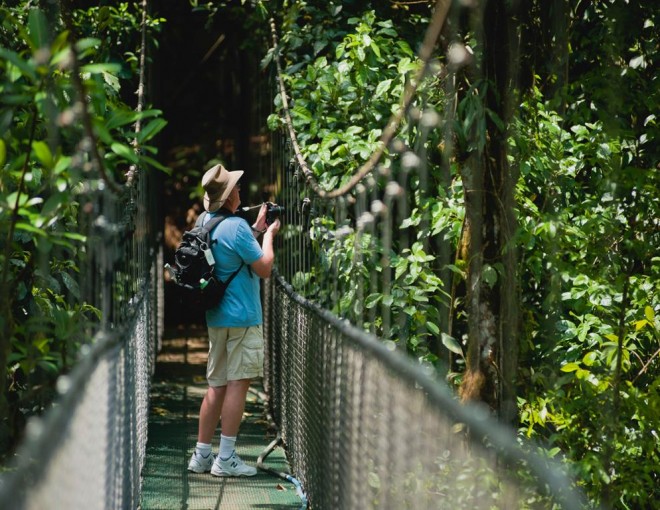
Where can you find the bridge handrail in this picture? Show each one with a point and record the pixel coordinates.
(328, 405)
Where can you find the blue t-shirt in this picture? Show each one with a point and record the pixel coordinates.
(241, 306)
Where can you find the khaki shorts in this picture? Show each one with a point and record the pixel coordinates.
(234, 354)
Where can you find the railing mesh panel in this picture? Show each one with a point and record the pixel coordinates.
(88, 450)
(365, 427)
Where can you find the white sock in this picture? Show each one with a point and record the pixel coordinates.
(203, 449)
(227, 445)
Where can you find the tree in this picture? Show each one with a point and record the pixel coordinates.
(489, 181)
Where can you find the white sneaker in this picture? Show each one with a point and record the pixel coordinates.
(233, 466)
(200, 464)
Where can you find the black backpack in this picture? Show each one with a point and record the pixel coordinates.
(193, 265)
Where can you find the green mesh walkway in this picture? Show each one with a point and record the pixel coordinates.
(177, 392)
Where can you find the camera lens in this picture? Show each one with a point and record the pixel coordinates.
(273, 212)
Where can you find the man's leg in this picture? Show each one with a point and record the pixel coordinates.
(232, 414)
(234, 405)
(209, 413)
(228, 463)
(245, 361)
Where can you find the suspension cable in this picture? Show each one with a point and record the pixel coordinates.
(430, 38)
(132, 171)
(97, 159)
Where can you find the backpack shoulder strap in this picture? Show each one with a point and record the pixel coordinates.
(210, 225)
(233, 275)
(200, 219)
(213, 222)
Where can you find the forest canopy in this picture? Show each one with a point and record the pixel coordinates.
(529, 277)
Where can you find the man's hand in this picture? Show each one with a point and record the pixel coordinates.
(274, 227)
(260, 225)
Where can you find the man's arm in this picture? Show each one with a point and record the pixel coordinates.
(264, 265)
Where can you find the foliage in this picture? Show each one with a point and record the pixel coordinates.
(590, 207)
(353, 90)
(66, 132)
(343, 98)
(587, 203)
(582, 238)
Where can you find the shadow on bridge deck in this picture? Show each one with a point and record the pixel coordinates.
(177, 391)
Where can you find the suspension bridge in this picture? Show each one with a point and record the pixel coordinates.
(343, 418)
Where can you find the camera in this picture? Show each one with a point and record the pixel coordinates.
(273, 212)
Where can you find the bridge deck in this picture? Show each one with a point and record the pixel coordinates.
(177, 391)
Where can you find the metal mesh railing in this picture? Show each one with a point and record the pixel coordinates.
(365, 427)
(87, 451)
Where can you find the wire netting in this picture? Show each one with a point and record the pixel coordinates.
(365, 427)
(88, 450)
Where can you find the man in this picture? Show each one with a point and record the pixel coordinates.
(235, 326)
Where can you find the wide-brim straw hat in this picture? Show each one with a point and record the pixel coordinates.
(218, 183)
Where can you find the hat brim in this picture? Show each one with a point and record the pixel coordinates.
(212, 204)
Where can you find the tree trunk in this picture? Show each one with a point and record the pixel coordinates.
(492, 270)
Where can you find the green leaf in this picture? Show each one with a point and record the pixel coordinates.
(375, 48)
(648, 311)
(581, 373)
(3, 153)
(382, 87)
(553, 452)
(102, 68)
(74, 236)
(456, 270)
(61, 55)
(372, 300)
(48, 366)
(490, 275)
(589, 358)
(30, 228)
(496, 119)
(38, 28)
(302, 114)
(265, 62)
(86, 43)
(373, 480)
(43, 154)
(71, 284)
(63, 162)
(60, 43)
(570, 367)
(156, 164)
(53, 203)
(150, 130)
(102, 132)
(124, 151)
(26, 68)
(121, 118)
(420, 297)
(432, 327)
(452, 344)
(339, 50)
